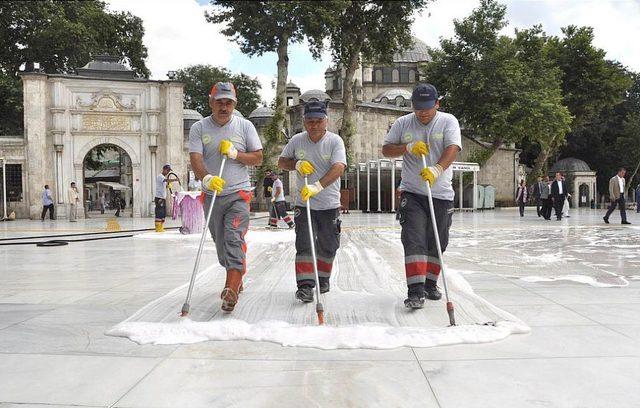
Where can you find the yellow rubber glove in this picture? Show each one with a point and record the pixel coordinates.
(227, 148)
(213, 183)
(430, 174)
(418, 148)
(269, 189)
(309, 191)
(304, 167)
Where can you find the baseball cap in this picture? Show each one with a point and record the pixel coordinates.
(223, 90)
(166, 167)
(315, 109)
(424, 96)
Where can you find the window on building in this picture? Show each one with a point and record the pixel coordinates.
(395, 75)
(412, 76)
(386, 74)
(289, 100)
(378, 75)
(404, 74)
(14, 182)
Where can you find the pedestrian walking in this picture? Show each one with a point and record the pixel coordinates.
(103, 202)
(558, 194)
(536, 192)
(522, 196)
(47, 203)
(279, 204)
(616, 195)
(74, 200)
(545, 197)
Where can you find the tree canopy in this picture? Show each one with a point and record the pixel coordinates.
(198, 80)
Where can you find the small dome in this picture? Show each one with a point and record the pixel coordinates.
(570, 164)
(419, 52)
(291, 85)
(392, 94)
(315, 95)
(190, 114)
(238, 113)
(262, 112)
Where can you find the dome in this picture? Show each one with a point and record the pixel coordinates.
(315, 95)
(392, 94)
(238, 113)
(106, 66)
(417, 53)
(570, 164)
(190, 114)
(291, 85)
(262, 112)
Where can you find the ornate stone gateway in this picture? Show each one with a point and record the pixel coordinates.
(67, 116)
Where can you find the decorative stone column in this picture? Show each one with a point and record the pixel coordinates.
(59, 175)
(35, 134)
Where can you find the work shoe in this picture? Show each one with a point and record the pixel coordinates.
(305, 294)
(324, 285)
(232, 287)
(606, 220)
(626, 222)
(414, 301)
(432, 293)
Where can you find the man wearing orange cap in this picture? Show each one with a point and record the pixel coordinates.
(218, 135)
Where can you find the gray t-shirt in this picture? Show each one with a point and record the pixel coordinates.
(278, 184)
(442, 132)
(328, 151)
(161, 191)
(205, 137)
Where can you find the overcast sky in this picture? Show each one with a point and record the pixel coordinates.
(177, 35)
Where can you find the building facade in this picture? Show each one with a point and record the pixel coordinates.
(68, 116)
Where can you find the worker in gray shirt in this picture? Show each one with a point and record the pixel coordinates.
(210, 139)
(320, 155)
(435, 135)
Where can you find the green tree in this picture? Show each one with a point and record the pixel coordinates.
(545, 119)
(61, 36)
(480, 77)
(369, 31)
(198, 80)
(270, 26)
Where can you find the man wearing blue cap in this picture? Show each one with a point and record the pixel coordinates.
(320, 155)
(210, 139)
(435, 135)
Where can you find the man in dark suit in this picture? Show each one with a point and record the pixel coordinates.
(537, 191)
(558, 193)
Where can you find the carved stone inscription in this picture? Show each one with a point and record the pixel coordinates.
(104, 122)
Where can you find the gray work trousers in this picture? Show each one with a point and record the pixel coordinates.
(228, 225)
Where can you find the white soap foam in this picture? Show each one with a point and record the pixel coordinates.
(370, 336)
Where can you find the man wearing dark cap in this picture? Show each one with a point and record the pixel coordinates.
(320, 155)
(435, 135)
(210, 139)
(160, 199)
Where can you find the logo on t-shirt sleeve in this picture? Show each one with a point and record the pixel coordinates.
(300, 154)
(407, 137)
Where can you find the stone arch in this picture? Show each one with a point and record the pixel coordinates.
(78, 164)
(86, 148)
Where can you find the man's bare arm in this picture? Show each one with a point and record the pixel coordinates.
(197, 164)
(333, 174)
(250, 158)
(287, 164)
(448, 156)
(393, 150)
